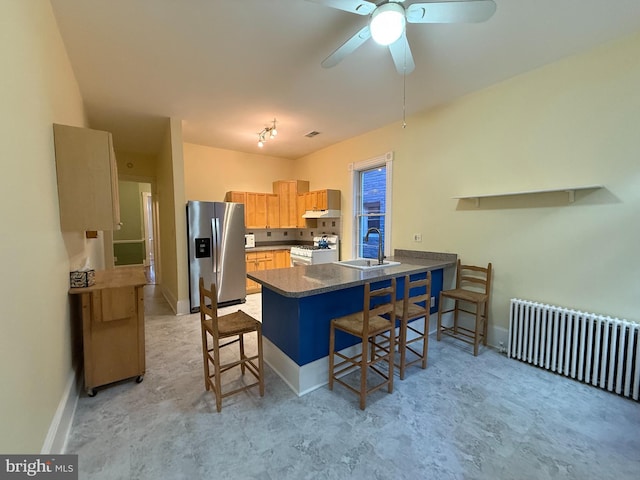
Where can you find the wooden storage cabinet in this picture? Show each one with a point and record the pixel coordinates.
(112, 314)
(87, 176)
(265, 260)
(257, 261)
(288, 191)
(322, 200)
(281, 258)
(261, 210)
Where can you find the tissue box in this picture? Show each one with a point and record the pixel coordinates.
(82, 278)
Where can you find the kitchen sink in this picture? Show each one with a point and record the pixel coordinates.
(366, 263)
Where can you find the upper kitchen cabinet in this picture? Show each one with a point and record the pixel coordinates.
(238, 197)
(288, 191)
(262, 210)
(87, 179)
(322, 200)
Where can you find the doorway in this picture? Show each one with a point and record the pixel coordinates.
(135, 243)
(149, 241)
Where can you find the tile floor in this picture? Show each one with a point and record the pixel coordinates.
(486, 417)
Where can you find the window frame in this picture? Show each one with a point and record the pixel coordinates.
(384, 161)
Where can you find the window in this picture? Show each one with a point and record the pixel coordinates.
(372, 194)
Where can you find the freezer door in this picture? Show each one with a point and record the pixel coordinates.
(229, 262)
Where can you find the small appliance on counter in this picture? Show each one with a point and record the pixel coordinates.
(323, 250)
(249, 240)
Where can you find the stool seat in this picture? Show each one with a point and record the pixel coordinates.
(232, 324)
(354, 324)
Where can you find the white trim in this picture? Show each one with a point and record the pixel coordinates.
(300, 379)
(56, 440)
(135, 240)
(147, 218)
(354, 167)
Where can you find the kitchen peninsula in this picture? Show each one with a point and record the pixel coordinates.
(298, 303)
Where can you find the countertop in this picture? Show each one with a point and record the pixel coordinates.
(303, 281)
(115, 278)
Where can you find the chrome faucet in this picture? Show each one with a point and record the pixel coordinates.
(366, 239)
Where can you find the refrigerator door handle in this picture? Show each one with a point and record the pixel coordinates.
(215, 245)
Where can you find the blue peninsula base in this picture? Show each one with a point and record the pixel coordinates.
(296, 330)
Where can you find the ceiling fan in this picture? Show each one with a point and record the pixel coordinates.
(387, 24)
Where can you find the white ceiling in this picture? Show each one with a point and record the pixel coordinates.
(228, 67)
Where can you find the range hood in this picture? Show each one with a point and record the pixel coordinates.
(321, 214)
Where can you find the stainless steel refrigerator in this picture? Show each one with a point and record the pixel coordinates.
(216, 251)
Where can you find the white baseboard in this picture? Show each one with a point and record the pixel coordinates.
(179, 307)
(183, 307)
(56, 439)
(300, 379)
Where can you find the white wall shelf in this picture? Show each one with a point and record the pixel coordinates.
(571, 191)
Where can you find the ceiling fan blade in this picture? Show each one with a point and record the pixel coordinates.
(451, 12)
(359, 7)
(401, 54)
(347, 47)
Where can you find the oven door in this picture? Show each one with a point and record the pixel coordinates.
(299, 260)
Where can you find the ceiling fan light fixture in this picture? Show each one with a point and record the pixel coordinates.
(387, 23)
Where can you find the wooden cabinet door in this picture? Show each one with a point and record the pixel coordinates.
(322, 200)
(281, 259)
(273, 210)
(311, 201)
(87, 176)
(256, 210)
(252, 266)
(287, 193)
(300, 207)
(238, 197)
(265, 261)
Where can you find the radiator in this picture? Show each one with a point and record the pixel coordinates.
(595, 349)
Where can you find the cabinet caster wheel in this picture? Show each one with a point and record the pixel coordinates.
(139, 378)
(91, 392)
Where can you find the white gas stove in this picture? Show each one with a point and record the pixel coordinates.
(323, 250)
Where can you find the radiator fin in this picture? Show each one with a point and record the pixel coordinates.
(595, 349)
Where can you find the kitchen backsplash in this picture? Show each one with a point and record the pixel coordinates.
(329, 226)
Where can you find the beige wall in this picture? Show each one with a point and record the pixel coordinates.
(571, 123)
(37, 88)
(210, 172)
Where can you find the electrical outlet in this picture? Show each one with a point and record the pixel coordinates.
(417, 237)
(433, 302)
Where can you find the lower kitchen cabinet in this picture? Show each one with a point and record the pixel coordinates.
(265, 260)
(112, 313)
(281, 258)
(257, 261)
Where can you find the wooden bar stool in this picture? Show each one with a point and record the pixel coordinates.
(217, 328)
(366, 325)
(473, 285)
(413, 313)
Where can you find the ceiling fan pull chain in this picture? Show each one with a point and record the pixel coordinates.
(404, 90)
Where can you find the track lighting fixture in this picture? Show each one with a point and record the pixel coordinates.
(262, 135)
